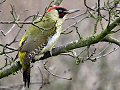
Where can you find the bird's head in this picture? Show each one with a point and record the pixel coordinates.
(59, 12)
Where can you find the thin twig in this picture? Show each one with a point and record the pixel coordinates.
(55, 74)
(2, 1)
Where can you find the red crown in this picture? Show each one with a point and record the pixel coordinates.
(49, 10)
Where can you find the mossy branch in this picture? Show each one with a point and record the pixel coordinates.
(15, 66)
(111, 40)
(10, 69)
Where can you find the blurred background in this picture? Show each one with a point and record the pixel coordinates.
(103, 74)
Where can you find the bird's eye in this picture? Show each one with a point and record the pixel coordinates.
(60, 11)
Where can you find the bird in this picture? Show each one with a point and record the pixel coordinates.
(41, 37)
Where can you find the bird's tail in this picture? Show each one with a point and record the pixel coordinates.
(26, 76)
(25, 62)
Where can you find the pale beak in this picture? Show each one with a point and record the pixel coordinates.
(71, 11)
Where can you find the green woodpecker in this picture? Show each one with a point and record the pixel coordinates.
(41, 37)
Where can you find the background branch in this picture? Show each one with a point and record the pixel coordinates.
(58, 2)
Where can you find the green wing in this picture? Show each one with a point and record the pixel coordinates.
(38, 34)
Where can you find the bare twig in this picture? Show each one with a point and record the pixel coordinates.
(106, 54)
(2, 1)
(72, 25)
(42, 83)
(88, 6)
(55, 74)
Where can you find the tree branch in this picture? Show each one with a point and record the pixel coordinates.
(11, 69)
(111, 40)
(15, 66)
